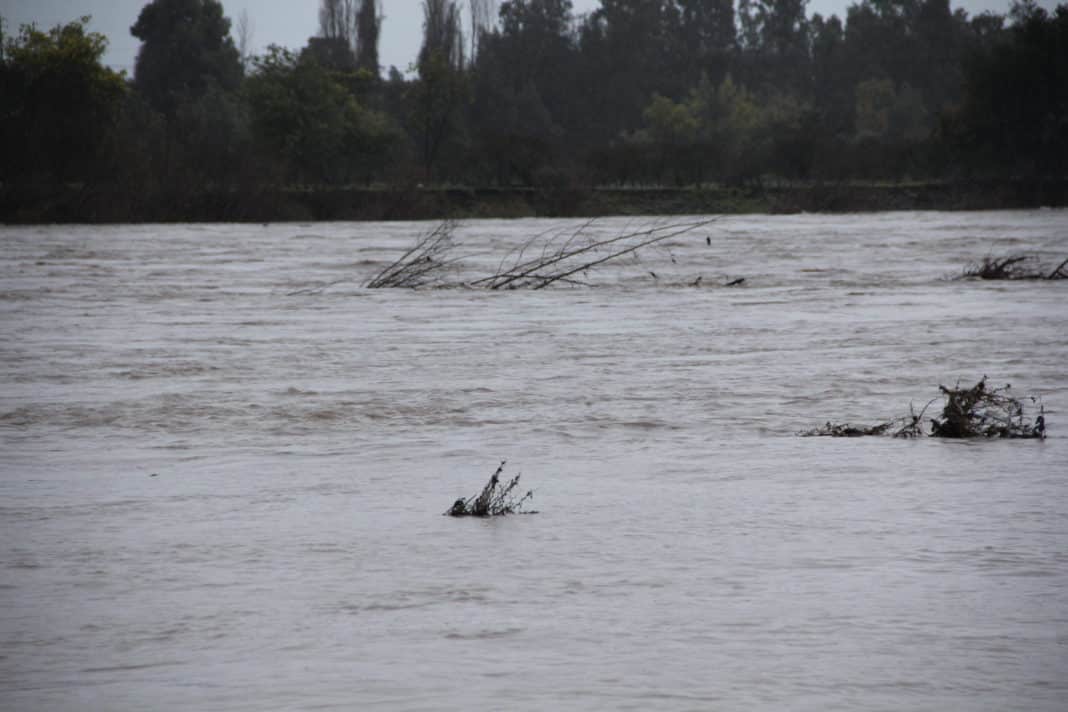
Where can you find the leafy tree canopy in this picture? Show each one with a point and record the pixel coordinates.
(186, 47)
(300, 112)
(59, 100)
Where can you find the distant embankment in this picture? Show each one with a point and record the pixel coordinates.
(75, 204)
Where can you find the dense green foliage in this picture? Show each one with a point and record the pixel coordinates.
(1014, 116)
(305, 116)
(639, 92)
(186, 50)
(59, 103)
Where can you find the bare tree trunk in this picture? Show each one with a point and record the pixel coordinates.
(244, 31)
(368, 26)
(483, 16)
(337, 20)
(441, 67)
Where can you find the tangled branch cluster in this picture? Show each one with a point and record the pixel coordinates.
(976, 412)
(985, 412)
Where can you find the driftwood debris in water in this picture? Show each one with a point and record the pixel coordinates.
(845, 430)
(494, 500)
(976, 412)
(909, 426)
(1013, 267)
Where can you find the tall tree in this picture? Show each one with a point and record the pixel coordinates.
(482, 13)
(1014, 117)
(335, 46)
(708, 32)
(185, 48)
(524, 88)
(441, 87)
(632, 51)
(534, 40)
(939, 38)
(337, 20)
(831, 91)
(59, 102)
(243, 32)
(312, 124)
(776, 45)
(368, 25)
(348, 35)
(443, 37)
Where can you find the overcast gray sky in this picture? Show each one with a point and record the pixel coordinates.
(290, 22)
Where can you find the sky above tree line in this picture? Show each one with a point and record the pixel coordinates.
(290, 23)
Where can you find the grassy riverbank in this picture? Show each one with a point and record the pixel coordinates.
(83, 204)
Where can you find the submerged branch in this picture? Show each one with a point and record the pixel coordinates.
(976, 412)
(559, 257)
(420, 263)
(494, 500)
(1012, 267)
(559, 264)
(845, 430)
(682, 229)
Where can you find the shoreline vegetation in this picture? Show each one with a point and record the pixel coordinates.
(635, 108)
(28, 204)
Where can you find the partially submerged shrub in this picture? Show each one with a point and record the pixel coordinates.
(976, 412)
(495, 499)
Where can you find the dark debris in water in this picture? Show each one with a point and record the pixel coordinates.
(846, 430)
(1013, 267)
(494, 500)
(983, 412)
(975, 412)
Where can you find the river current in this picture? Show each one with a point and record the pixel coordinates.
(223, 463)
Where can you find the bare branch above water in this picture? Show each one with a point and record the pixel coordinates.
(1013, 267)
(559, 257)
(423, 264)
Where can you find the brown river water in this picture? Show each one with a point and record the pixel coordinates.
(223, 464)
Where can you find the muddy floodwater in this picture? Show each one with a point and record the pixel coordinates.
(223, 464)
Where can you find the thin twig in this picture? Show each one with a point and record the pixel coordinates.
(633, 248)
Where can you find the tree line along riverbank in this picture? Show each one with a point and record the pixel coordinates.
(27, 204)
(887, 107)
